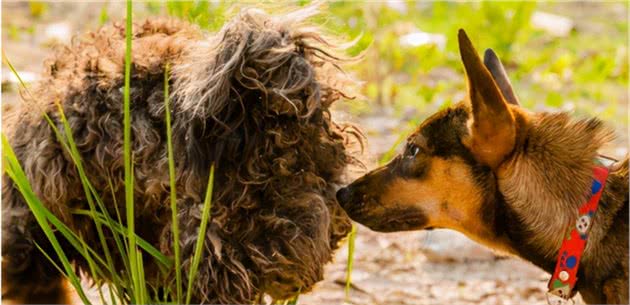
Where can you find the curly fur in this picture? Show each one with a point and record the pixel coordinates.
(253, 99)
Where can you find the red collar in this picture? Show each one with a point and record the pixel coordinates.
(564, 276)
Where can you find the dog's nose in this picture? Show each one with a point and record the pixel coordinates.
(344, 195)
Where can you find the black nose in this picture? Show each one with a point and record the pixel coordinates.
(344, 195)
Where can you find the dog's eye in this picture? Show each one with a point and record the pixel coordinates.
(412, 150)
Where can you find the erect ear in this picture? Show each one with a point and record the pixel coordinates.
(494, 65)
(493, 130)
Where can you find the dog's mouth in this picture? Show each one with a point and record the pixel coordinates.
(390, 222)
(359, 209)
(415, 221)
(368, 211)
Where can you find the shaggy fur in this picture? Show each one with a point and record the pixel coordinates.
(252, 99)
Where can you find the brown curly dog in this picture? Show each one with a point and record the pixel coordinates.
(253, 99)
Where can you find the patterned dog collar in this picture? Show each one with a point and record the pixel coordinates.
(564, 276)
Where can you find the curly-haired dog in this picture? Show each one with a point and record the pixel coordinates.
(507, 178)
(252, 99)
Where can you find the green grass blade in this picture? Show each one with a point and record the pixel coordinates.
(119, 228)
(103, 16)
(69, 145)
(115, 202)
(143, 286)
(114, 295)
(100, 294)
(173, 194)
(52, 261)
(76, 241)
(391, 152)
(118, 282)
(8, 63)
(92, 267)
(205, 216)
(15, 172)
(351, 239)
(23, 85)
(131, 236)
(90, 194)
(110, 220)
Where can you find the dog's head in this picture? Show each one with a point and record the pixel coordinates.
(442, 177)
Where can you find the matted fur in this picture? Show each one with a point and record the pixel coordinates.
(253, 99)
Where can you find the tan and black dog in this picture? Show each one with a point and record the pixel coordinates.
(507, 178)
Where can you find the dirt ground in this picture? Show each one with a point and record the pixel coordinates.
(434, 267)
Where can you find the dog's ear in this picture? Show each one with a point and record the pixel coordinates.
(493, 130)
(494, 65)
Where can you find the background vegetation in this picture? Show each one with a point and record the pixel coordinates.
(410, 66)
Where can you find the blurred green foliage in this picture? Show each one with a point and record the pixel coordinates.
(37, 8)
(209, 15)
(103, 16)
(586, 70)
(409, 57)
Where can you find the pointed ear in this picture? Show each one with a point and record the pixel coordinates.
(494, 65)
(493, 131)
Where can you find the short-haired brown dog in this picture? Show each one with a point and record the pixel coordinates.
(508, 178)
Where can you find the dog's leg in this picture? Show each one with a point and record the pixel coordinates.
(28, 277)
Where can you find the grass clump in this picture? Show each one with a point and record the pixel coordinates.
(128, 286)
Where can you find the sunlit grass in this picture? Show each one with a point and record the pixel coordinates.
(137, 282)
(42, 215)
(205, 217)
(74, 152)
(351, 238)
(173, 194)
(130, 285)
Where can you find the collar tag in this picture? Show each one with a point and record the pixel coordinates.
(564, 276)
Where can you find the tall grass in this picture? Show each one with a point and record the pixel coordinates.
(173, 195)
(136, 281)
(351, 239)
(13, 169)
(127, 285)
(205, 216)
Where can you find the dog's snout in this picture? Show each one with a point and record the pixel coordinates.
(344, 195)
